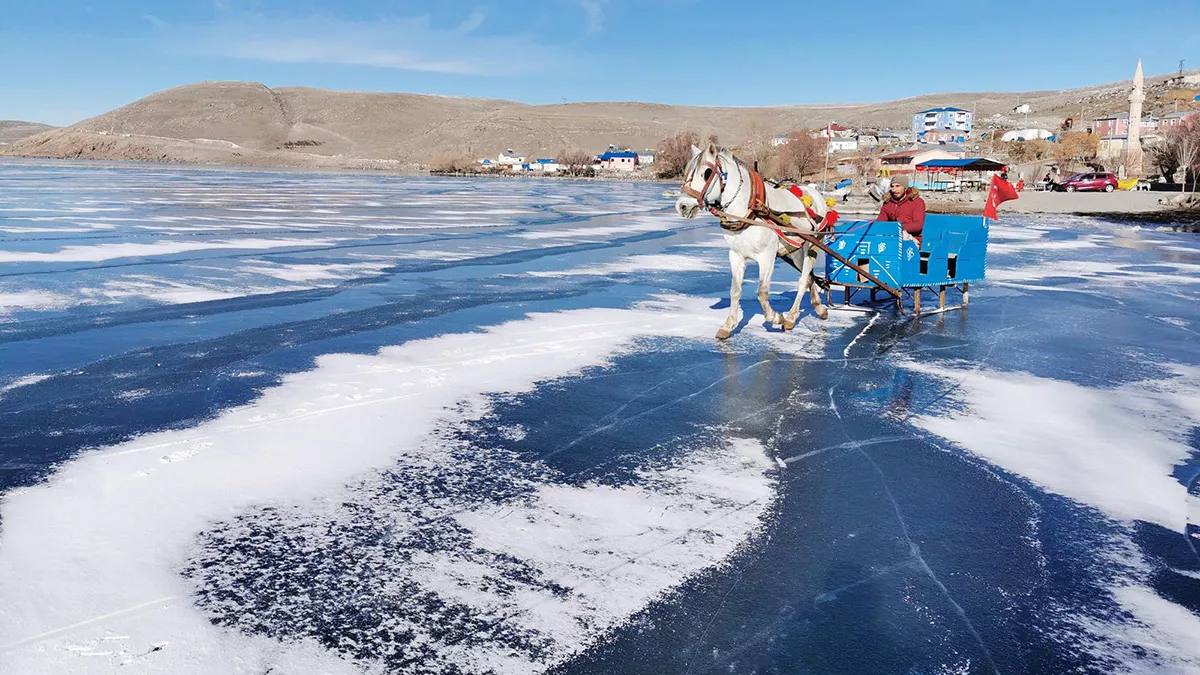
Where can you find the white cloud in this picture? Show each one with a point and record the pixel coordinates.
(473, 22)
(403, 43)
(155, 21)
(593, 11)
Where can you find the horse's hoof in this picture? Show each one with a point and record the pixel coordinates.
(822, 312)
(724, 334)
(787, 324)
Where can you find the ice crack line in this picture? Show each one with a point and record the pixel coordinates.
(601, 429)
(914, 550)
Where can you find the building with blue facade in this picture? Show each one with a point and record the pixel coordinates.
(942, 125)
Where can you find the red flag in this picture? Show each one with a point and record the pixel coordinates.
(1001, 192)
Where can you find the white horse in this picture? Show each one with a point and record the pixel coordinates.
(714, 178)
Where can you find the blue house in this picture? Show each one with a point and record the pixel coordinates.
(952, 125)
(619, 160)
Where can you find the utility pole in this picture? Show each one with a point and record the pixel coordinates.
(828, 145)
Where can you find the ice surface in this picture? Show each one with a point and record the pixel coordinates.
(100, 252)
(1114, 450)
(97, 547)
(287, 423)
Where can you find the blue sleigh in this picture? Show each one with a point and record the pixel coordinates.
(952, 254)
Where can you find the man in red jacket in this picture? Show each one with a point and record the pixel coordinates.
(905, 206)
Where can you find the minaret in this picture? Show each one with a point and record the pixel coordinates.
(1133, 144)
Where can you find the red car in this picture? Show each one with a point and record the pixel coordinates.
(1089, 181)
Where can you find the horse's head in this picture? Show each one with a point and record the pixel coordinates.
(703, 181)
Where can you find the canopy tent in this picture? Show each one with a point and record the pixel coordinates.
(952, 174)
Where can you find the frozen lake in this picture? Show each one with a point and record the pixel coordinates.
(275, 423)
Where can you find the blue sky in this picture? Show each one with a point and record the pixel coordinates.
(64, 61)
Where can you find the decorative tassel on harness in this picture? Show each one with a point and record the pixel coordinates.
(822, 224)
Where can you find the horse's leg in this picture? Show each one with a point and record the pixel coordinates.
(793, 314)
(737, 266)
(810, 261)
(766, 269)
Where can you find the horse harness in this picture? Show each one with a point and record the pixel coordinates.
(758, 209)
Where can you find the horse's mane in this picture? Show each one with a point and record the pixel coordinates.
(690, 168)
(718, 150)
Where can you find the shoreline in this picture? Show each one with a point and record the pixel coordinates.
(315, 170)
(1125, 207)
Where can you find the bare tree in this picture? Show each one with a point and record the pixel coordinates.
(801, 155)
(1075, 148)
(1162, 156)
(866, 164)
(453, 164)
(575, 162)
(756, 141)
(1185, 143)
(672, 154)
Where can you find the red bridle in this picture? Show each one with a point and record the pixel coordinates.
(717, 175)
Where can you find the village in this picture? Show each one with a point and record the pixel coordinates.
(945, 149)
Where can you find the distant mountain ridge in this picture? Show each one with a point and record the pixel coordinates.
(250, 123)
(14, 130)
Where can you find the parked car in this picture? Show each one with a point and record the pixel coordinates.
(1089, 181)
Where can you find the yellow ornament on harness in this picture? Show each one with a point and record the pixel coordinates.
(807, 201)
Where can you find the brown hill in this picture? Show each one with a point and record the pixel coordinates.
(13, 130)
(249, 123)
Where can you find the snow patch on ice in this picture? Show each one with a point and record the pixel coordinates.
(23, 382)
(98, 547)
(1113, 450)
(665, 262)
(29, 299)
(101, 252)
(315, 272)
(1106, 273)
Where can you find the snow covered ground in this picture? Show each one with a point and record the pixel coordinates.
(283, 423)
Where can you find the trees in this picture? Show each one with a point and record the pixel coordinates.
(1075, 147)
(801, 155)
(575, 162)
(1027, 151)
(1162, 155)
(1179, 153)
(672, 154)
(453, 164)
(1184, 142)
(866, 164)
(756, 144)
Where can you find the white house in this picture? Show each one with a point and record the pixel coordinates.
(545, 166)
(645, 157)
(510, 157)
(779, 139)
(834, 130)
(842, 145)
(906, 161)
(1027, 135)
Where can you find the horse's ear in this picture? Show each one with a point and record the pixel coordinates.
(695, 149)
(712, 148)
